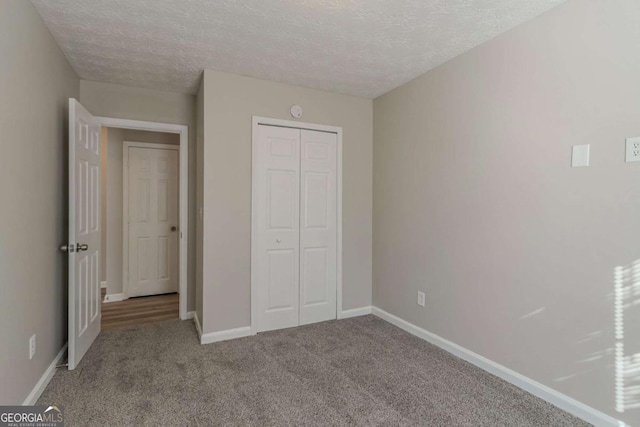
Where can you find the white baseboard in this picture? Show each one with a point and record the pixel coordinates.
(113, 297)
(552, 396)
(190, 315)
(103, 284)
(229, 334)
(196, 322)
(45, 378)
(354, 312)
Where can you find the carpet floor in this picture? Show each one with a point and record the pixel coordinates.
(361, 371)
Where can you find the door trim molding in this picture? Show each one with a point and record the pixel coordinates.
(257, 121)
(183, 244)
(125, 206)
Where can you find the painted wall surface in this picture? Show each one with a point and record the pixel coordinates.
(476, 204)
(230, 101)
(103, 205)
(111, 100)
(114, 196)
(199, 197)
(35, 84)
(113, 210)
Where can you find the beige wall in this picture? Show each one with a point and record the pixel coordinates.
(111, 100)
(114, 196)
(103, 204)
(113, 210)
(476, 203)
(199, 197)
(35, 84)
(230, 101)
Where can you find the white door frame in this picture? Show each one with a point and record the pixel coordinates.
(257, 121)
(125, 203)
(183, 131)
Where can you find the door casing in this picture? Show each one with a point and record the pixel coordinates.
(183, 241)
(257, 121)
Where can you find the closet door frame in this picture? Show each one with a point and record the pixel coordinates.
(266, 121)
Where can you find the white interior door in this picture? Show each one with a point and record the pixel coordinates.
(84, 231)
(318, 226)
(153, 221)
(278, 228)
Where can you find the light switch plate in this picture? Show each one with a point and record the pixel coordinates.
(633, 150)
(580, 156)
(421, 299)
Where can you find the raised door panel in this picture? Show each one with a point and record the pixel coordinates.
(84, 231)
(87, 216)
(277, 259)
(153, 219)
(318, 229)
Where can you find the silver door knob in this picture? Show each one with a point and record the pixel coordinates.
(173, 228)
(67, 248)
(82, 247)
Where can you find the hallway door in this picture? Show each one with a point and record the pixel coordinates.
(152, 205)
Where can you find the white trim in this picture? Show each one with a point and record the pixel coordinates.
(125, 205)
(141, 144)
(113, 298)
(229, 334)
(554, 397)
(354, 312)
(183, 131)
(190, 315)
(196, 322)
(44, 380)
(257, 120)
(103, 284)
(141, 125)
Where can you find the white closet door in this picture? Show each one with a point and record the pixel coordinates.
(318, 226)
(278, 235)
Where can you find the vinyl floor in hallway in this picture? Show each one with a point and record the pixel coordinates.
(140, 311)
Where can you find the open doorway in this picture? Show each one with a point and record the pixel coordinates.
(85, 234)
(141, 225)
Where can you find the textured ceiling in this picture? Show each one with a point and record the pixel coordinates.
(356, 47)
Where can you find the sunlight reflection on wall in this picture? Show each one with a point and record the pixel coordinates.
(627, 324)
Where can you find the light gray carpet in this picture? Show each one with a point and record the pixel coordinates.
(360, 371)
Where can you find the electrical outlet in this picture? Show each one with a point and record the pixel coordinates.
(421, 298)
(32, 346)
(633, 150)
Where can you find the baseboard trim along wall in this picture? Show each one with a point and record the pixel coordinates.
(552, 396)
(103, 284)
(44, 380)
(196, 322)
(190, 315)
(229, 334)
(354, 312)
(113, 297)
(212, 337)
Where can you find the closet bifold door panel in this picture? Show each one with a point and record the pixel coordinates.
(318, 226)
(294, 270)
(278, 228)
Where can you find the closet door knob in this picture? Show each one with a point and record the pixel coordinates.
(278, 240)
